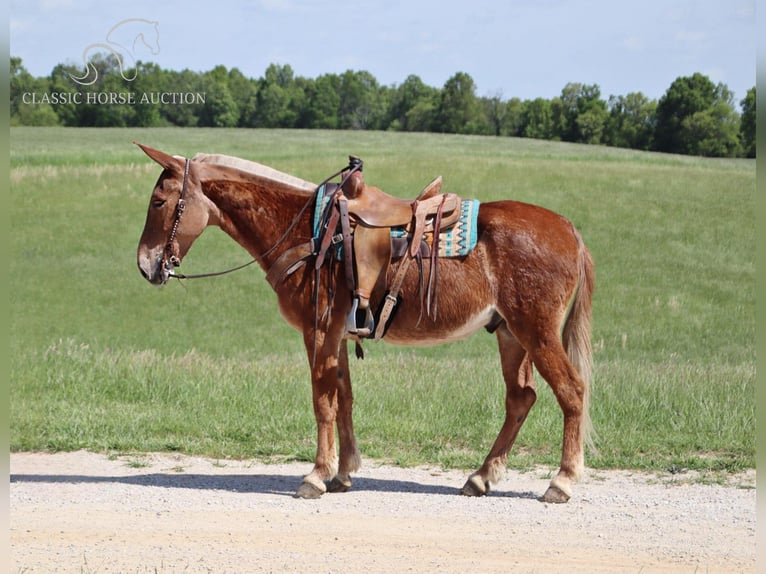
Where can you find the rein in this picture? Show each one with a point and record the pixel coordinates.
(170, 261)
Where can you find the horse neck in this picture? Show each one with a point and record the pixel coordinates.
(257, 215)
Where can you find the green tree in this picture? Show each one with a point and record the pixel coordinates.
(60, 82)
(713, 132)
(631, 121)
(458, 106)
(422, 116)
(220, 110)
(404, 99)
(322, 102)
(685, 97)
(149, 79)
(244, 92)
(747, 124)
(590, 126)
(538, 120)
(24, 85)
(21, 82)
(187, 81)
(495, 110)
(513, 118)
(96, 108)
(279, 100)
(583, 113)
(271, 107)
(361, 101)
(692, 114)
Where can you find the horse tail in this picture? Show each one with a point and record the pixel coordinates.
(577, 333)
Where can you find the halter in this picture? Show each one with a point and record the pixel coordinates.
(171, 261)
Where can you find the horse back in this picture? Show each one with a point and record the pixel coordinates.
(528, 230)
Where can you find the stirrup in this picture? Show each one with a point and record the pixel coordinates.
(360, 322)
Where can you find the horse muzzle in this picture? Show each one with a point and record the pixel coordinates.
(157, 270)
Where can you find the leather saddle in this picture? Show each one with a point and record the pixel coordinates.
(362, 217)
(375, 208)
(374, 214)
(372, 207)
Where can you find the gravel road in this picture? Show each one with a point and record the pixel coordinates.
(89, 513)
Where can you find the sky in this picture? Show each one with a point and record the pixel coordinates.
(513, 48)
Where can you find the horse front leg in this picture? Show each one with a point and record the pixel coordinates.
(350, 458)
(325, 395)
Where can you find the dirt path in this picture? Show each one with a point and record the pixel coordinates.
(86, 513)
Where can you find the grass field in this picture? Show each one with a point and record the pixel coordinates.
(101, 360)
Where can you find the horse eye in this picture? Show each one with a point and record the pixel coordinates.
(157, 203)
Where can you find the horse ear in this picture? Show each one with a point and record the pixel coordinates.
(167, 161)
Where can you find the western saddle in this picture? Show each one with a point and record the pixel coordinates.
(361, 218)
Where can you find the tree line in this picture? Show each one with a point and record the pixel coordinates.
(695, 116)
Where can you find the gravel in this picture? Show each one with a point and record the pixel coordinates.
(86, 513)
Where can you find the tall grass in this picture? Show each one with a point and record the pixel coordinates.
(100, 360)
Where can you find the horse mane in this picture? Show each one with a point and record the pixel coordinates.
(253, 171)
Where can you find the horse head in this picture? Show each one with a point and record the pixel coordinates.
(178, 213)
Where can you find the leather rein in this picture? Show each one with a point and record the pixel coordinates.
(170, 261)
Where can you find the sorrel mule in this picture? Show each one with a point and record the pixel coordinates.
(530, 279)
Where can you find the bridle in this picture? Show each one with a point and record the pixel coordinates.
(170, 260)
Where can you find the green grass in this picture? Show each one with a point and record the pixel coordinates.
(101, 360)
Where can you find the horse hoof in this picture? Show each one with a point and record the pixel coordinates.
(339, 485)
(475, 486)
(555, 495)
(308, 491)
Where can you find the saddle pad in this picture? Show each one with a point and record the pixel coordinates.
(319, 208)
(460, 239)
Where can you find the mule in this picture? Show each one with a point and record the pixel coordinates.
(530, 280)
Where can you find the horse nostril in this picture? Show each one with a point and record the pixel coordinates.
(146, 269)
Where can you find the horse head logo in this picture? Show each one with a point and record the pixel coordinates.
(122, 41)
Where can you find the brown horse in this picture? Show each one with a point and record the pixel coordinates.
(530, 279)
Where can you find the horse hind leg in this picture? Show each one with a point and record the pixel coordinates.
(570, 391)
(519, 398)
